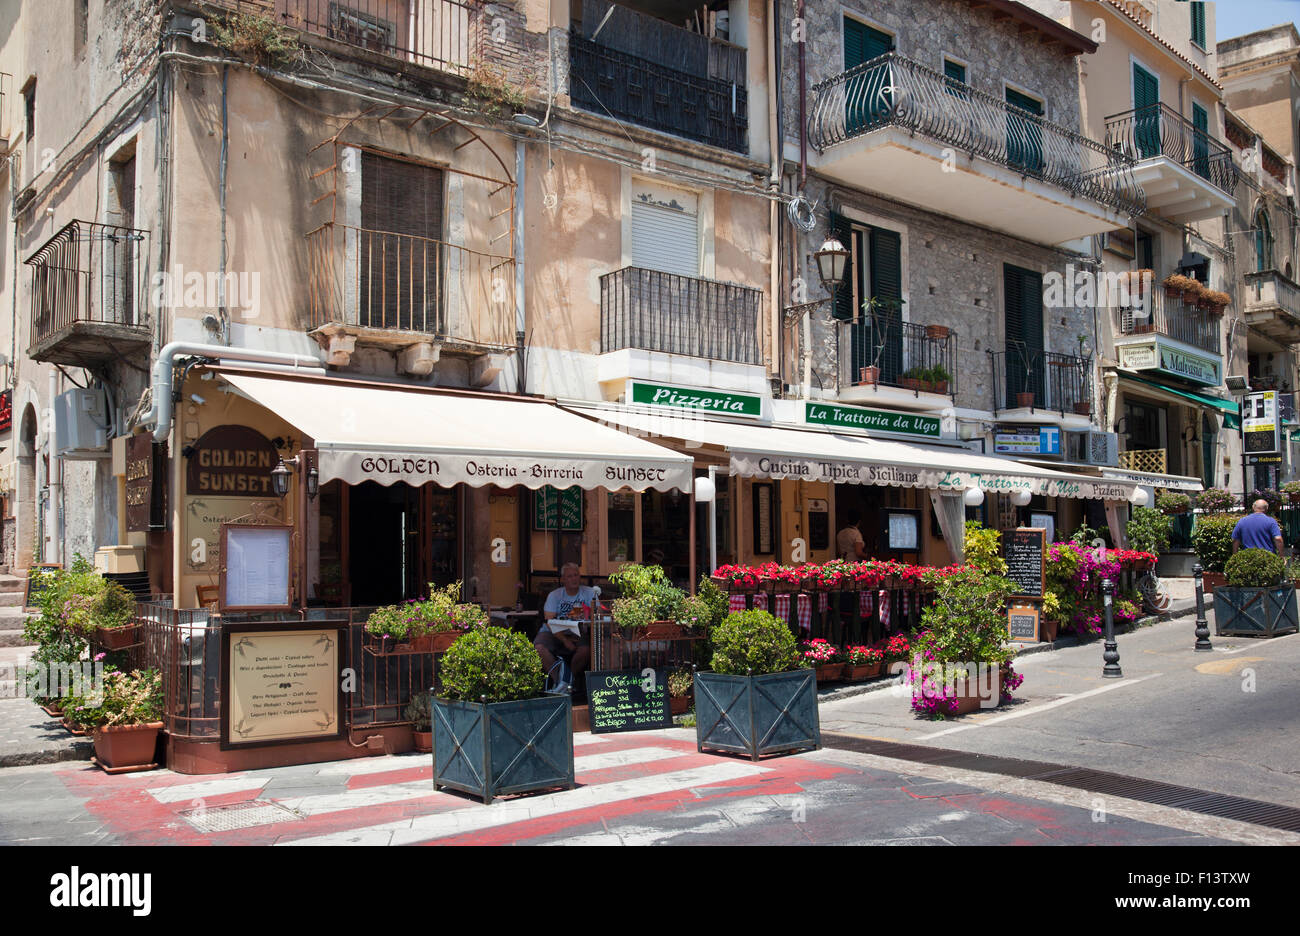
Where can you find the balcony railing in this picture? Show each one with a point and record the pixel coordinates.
(674, 314)
(1172, 318)
(901, 353)
(400, 282)
(1159, 130)
(609, 82)
(92, 273)
(894, 91)
(1271, 289)
(440, 34)
(1039, 379)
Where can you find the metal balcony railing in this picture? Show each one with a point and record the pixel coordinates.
(894, 91)
(1159, 130)
(401, 282)
(608, 82)
(675, 314)
(440, 34)
(89, 272)
(1172, 318)
(889, 352)
(1039, 379)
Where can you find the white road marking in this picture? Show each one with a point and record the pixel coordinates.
(477, 818)
(1021, 713)
(190, 791)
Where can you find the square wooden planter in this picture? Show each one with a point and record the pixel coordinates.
(1254, 612)
(503, 747)
(757, 715)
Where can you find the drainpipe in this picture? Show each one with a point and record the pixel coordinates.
(518, 247)
(803, 100)
(777, 141)
(160, 412)
(222, 308)
(53, 519)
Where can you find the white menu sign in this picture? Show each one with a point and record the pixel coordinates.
(255, 573)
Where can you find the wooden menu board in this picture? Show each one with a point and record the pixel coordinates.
(1024, 551)
(1022, 623)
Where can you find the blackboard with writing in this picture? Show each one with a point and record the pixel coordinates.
(38, 582)
(1024, 554)
(1022, 624)
(619, 701)
(558, 509)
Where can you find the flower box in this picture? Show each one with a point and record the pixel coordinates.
(829, 672)
(1254, 612)
(1082, 409)
(756, 715)
(1025, 400)
(117, 638)
(423, 741)
(437, 642)
(923, 386)
(495, 748)
(861, 671)
(936, 331)
(127, 745)
(656, 630)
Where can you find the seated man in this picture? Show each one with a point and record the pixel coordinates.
(573, 601)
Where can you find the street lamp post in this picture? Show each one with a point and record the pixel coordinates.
(1110, 655)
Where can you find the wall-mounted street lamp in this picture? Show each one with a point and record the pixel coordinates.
(281, 474)
(831, 260)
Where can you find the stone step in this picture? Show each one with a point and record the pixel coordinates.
(13, 638)
(12, 583)
(11, 599)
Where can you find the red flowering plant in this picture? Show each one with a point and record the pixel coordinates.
(863, 656)
(862, 574)
(737, 577)
(827, 576)
(897, 647)
(819, 652)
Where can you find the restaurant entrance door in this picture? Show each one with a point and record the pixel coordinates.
(385, 544)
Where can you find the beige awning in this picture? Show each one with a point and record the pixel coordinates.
(367, 432)
(796, 453)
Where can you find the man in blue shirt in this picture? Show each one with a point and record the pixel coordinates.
(1257, 531)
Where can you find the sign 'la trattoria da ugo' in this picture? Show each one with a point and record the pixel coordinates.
(232, 461)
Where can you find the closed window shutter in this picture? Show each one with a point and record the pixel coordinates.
(1024, 327)
(862, 43)
(886, 264)
(401, 255)
(954, 70)
(887, 283)
(1198, 23)
(842, 231)
(665, 239)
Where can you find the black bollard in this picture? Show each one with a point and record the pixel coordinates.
(1110, 655)
(1202, 625)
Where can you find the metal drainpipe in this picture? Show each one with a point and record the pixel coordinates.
(803, 99)
(222, 309)
(520, 317)
(54, 518)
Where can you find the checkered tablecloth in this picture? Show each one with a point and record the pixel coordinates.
(803, 607)
(884, 609)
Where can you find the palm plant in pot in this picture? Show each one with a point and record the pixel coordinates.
(495, 731)
(126, 717)
(759, 697)
(1257, 601)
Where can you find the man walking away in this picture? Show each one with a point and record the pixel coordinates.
(1257, 531)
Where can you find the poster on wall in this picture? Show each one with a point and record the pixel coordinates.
(203, 519)
(255, 567)
(281, 685)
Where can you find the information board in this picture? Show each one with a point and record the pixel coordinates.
(1024, 551)
(1022, 623)
(619, 700)
(558, 509)
(282, 683)
(255, 561)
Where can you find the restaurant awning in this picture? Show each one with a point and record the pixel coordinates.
(1230, 409)
(1145, 478)
(369, 432)
(795, 453)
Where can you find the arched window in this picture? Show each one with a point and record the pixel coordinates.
(1263, 240)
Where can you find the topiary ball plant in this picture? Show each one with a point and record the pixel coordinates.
(492, 662)
(753, 643)
(1255, 568)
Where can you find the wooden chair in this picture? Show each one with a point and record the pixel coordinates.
(209, 596)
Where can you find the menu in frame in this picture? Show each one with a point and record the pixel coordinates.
(255, 567)
(1024, 553)
(281, 684)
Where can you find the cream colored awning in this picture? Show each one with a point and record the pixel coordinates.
(790, 452)
(367, 432)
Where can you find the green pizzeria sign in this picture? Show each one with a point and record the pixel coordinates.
(707, 401)
(856, 417)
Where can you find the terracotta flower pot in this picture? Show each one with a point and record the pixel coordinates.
(968, 698)
(869, 375)
(423, 741)
(679, 705)
(936, 331)
(127, 745)
(1025, 400)
(663, 630)
(1082, 409)
(1047, 630)
(875, 669)
(855, 672)
(1212, 580)
(829, 672)
(434, 643)
(117, 638)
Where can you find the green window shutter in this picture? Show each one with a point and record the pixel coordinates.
(862, 43)
(1024, 327)
(1146, 117)
(842, 231)
(886, 264)
(1024, 102)
(1200, 141)
(1198, 23)
(954, 70)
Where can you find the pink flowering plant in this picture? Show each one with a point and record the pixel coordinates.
(819, 652)
(1074, 576)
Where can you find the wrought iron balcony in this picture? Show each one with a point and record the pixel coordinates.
(1172, 318)
(888, 352)
(674, 314)
(609, 82)
(90, 294)
(410, 285)
(1046, 380)
(895, 91)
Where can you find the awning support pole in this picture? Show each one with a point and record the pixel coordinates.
(692, 536)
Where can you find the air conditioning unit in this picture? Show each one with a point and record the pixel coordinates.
(81, 424)
(1094, 448)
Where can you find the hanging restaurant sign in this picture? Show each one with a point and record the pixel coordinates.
(233, 461)
(705, 401)
(146, 484)
(1167, 359)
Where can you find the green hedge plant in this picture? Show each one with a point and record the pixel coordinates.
(1255, 568)
(1147, 530)
(1212, 540)
(754, 643)
(492, 662)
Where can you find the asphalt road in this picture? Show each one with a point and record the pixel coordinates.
(1225, 721)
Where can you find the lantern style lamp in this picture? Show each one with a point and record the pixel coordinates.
(831, 260)
(280, 475)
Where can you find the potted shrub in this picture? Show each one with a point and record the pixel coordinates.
(1172, 503)
(125, 721)
(111, 612)
(863, 662)
(1212, 541)
(897, 649)
(1257, 601)
(680, 682)
(419, 714)
(759, 699)
(825, 657)
(960, 660)
(1292, 491)
(1213, 300)
(1178, 286)
(1217, 500)
(648, 608)
(494, 729)
(1147, 530)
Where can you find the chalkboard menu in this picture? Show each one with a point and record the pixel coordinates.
(37, 582)
(1022, 623)
(1024, 550)
(558, 509)
(618, 700)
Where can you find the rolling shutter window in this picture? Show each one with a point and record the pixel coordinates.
(665, 232)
